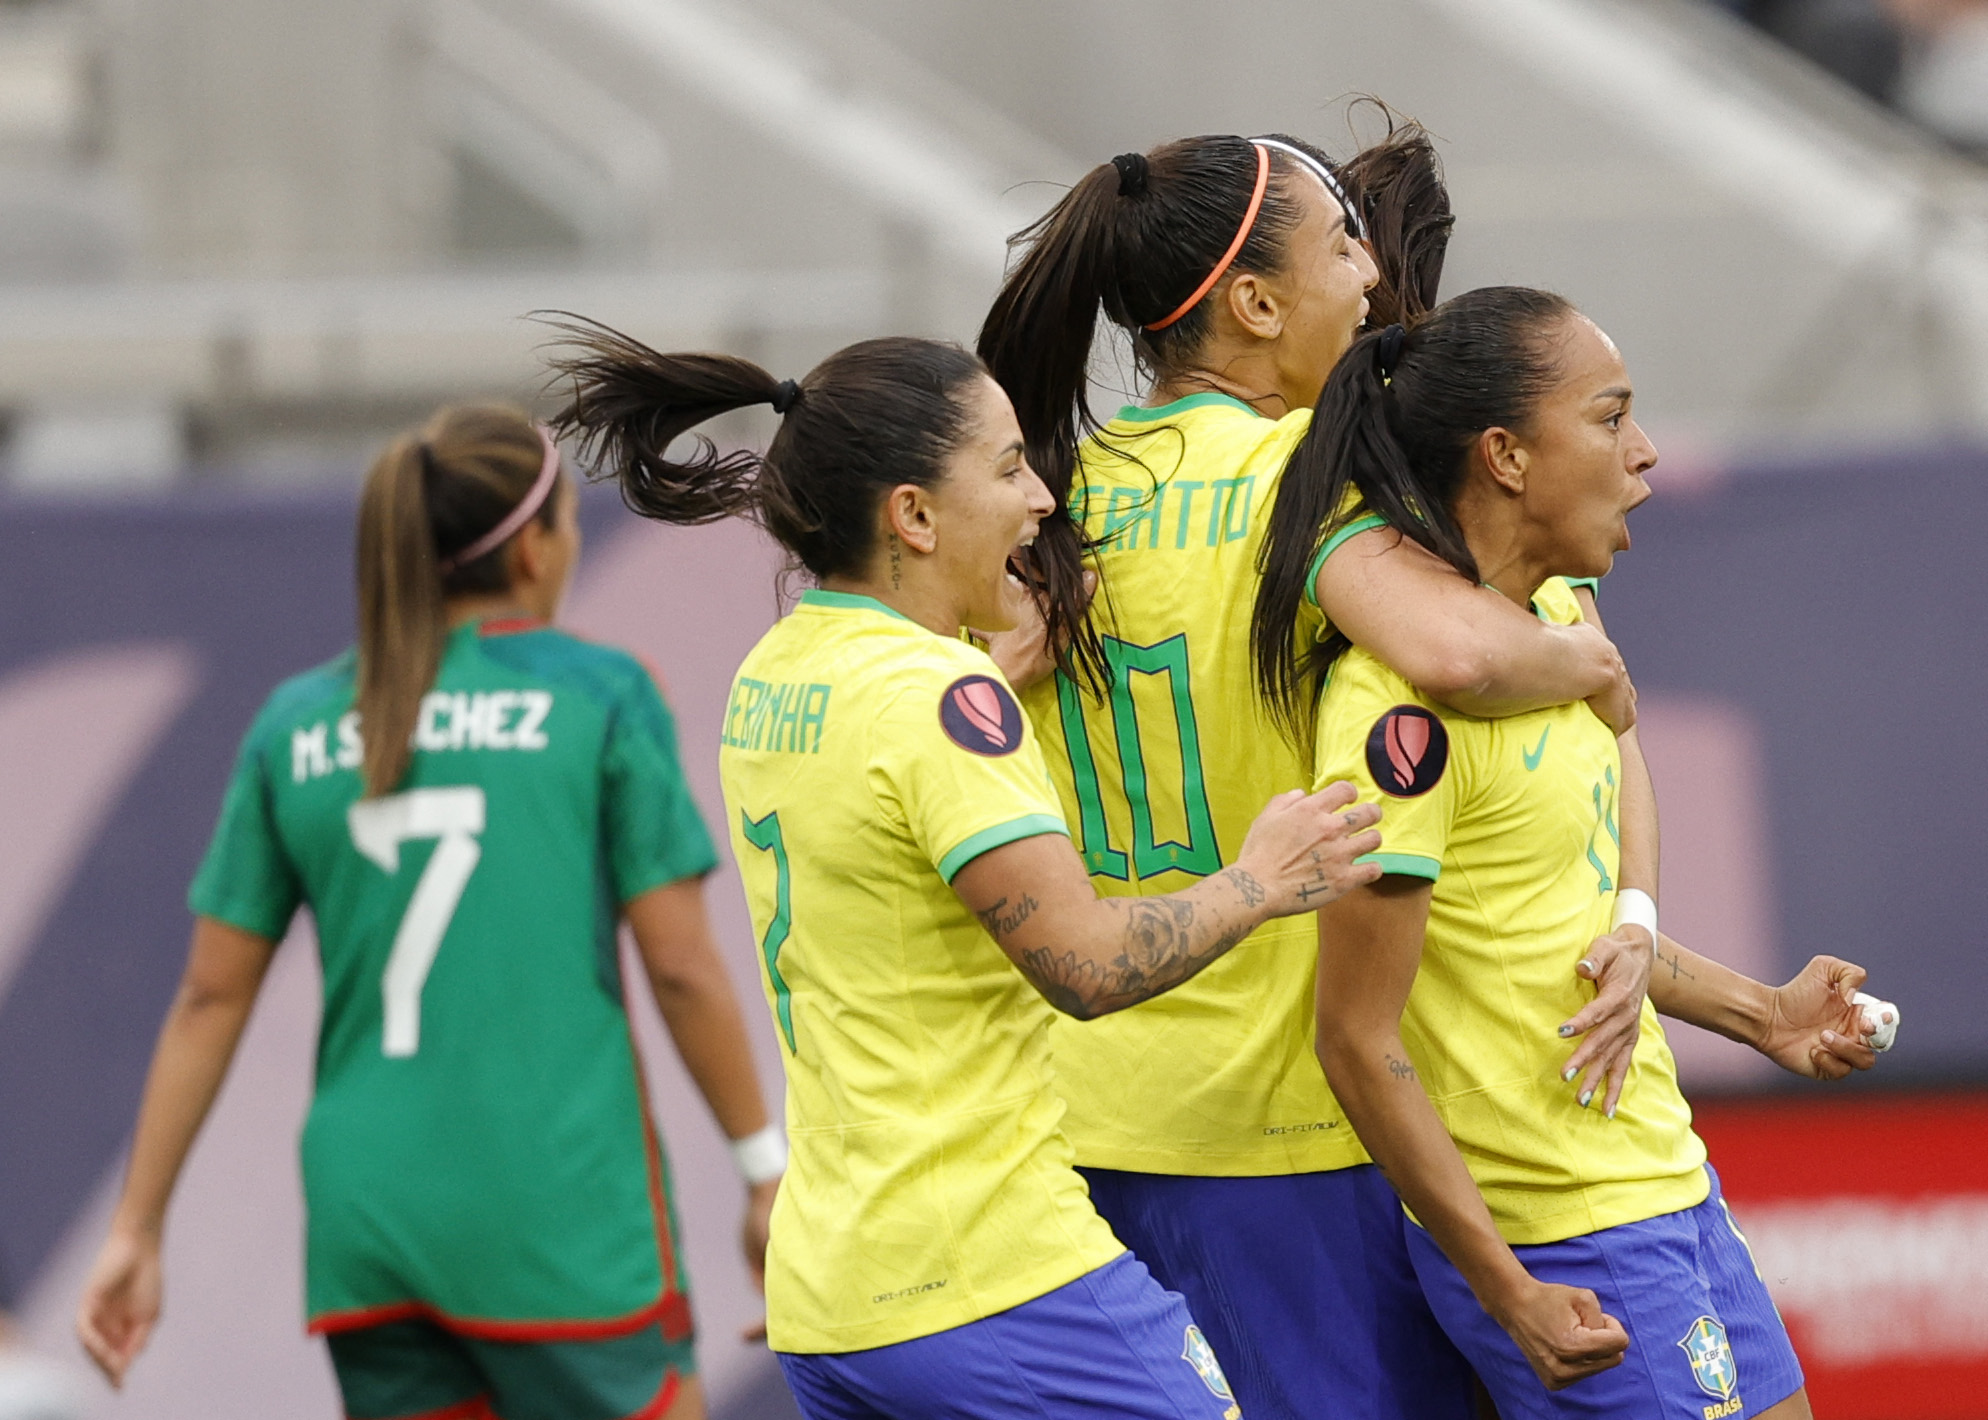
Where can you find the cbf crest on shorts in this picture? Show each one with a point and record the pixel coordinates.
(1199, 1354)
(1712, 1366)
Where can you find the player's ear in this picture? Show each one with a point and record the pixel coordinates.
(526, 560)
(1254, 305)
(1505, 458)
(908, 514)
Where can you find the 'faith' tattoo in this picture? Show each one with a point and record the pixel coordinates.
(1000, 919)
(1401, 1069)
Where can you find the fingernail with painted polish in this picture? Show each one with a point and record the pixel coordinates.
(1567, 1074)
(1566, 1031)
(1586, 1095)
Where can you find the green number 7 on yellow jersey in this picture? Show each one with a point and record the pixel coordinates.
(764, 834)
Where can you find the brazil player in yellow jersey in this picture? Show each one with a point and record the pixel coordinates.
(469, 803)
(1209, 1137)
(922, 913)
(1549, 1238)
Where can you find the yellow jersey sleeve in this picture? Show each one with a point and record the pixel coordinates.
(1396, 749)
(954, 758)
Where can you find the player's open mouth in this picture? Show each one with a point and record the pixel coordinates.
(1022, 568)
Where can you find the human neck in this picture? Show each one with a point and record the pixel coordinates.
(1494, 529)
(488, 606)
(1245, 371)
(911, 595)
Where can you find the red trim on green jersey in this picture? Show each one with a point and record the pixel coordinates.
(671, 1310)
(512, 625)
(675, 1326)
(477, 1407)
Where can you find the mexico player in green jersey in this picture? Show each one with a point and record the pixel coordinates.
(922, 912)
(469, 803)
(1240, 269)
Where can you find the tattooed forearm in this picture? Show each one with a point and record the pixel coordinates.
(1251, 890)
(1675, 963)
(1133, 948)
(1400, 1069)
(1162, 941)
(1001, 919)
(1155, 928)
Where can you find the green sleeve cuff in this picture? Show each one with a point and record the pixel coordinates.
(1593, 584)
(1030, 826)
(1407, 865)
(1366, 522)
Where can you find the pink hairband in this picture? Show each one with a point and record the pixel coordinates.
(1242, 235)
(1354, 224)
(533, 500)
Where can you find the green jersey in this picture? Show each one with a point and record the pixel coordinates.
(478, 1148)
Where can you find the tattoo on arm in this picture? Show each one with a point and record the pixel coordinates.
(1401, 1069)
(1676, 965)
(1162, 942)
(1251, 890)
(1001, 919)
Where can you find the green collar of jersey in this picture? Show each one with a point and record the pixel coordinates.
(815, 596)
(1133, 414)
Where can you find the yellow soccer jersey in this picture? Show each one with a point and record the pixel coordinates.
(1514, 820)
(1161, 779)
(865, 761)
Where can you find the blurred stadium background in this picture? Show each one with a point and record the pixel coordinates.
(242, 240)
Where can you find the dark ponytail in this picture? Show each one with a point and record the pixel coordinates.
(868, 418)
(1398, 185)
(429, 496)
(1402, 436)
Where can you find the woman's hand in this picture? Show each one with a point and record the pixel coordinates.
(1301, 851)
(1615, 702)
(1619, 966)
(1564, 1333)
(1814, 1028)
(1023, 653)
(120, 1302)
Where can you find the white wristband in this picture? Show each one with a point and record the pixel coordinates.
(1634, 907)
(761, 1157)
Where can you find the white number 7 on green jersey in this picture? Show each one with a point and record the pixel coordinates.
(379, 827)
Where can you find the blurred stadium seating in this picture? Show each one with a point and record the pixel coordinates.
(240, 240)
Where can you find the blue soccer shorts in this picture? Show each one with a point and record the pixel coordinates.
(1303, 1285)
(1705, 1342)
(1112, 1343)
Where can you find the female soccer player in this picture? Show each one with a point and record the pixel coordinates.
(469, 803)
(1209, 1138)
(933, 1251)
(1498, 436)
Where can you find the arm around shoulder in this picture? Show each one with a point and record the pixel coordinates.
(1466, 646)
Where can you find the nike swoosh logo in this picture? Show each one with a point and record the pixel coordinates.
(1537, 752)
